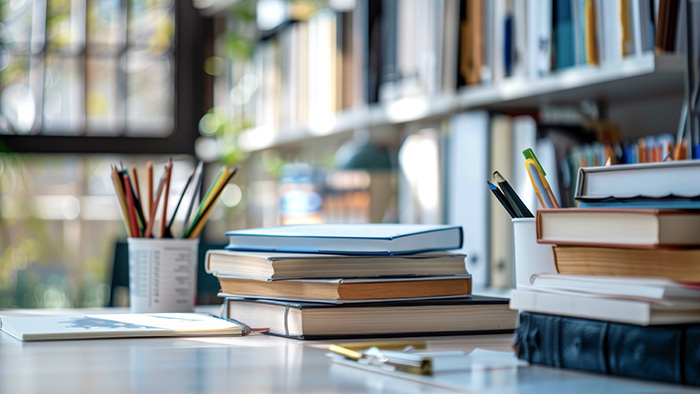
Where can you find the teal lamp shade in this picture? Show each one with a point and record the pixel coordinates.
(362, 156)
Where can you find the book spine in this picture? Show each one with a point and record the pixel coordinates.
(661, 353)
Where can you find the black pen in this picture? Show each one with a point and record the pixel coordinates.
(519, 207)
(502, 199)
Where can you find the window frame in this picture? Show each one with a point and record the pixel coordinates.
(190, 104)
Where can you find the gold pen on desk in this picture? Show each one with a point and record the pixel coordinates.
(417, 365)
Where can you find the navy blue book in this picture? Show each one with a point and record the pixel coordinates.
(663, 353)
(368, 239)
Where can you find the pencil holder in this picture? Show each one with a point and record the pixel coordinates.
(530, 257)
(162, 274)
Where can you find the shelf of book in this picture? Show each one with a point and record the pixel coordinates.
(641, 76)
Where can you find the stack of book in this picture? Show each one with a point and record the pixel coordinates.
(313, 281)
(626, 299)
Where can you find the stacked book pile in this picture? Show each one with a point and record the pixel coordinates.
(626, 299)
(313, 281)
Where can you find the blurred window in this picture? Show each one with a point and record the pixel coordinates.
(87, 68)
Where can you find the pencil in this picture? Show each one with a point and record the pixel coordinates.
(203, 219)
(207, 197)
(137, 203)
(152, 218)
(130, 204)
(135, 177)
(518, 206)
(502, 199)
(164, 218)
(149, 185)
(195, 191)
(122, 200)
(179, 201)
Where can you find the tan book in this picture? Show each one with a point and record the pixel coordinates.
(633, 228)
(349, 289)
(682, 265)
(313, 320)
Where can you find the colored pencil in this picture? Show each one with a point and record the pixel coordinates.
(149, 185)
(198, 175)
(122, 200)
(164, 218)
(207, 197)
(205, 216)
(130, 205)
(152, 218)
(179, 201)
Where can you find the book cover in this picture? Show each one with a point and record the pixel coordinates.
(43, 328)
(653, 353)
(633, 228)
(380, 239)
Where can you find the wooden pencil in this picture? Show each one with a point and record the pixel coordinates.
(130, 206)
(164, 217)
(152, 217)
(118, 189)
(205, 216)
(149, 186)
(221, 175)
(179, 201)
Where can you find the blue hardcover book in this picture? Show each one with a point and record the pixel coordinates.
(667, 353)
(371, 239)
(565, 46)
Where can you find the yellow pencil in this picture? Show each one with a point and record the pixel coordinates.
(199, 224)
(206, 201)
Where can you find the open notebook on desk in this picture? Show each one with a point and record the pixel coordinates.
(44, 328)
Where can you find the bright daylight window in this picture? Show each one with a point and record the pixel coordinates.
(95, 67)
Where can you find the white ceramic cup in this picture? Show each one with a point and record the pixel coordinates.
(162, 274)
(530, 257)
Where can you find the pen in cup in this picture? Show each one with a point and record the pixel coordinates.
(512, 197)
(502, 199)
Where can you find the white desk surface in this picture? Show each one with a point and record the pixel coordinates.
(258, 364)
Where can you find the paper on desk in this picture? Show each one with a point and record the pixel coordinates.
(478, 359)
(460, 373)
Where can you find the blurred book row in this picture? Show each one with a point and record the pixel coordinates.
(306, 70)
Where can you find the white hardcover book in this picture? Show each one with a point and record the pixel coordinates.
(622, 311)
(524, 137)
(636, 25)
(520, 40)
(539, 37)
(650, 288)
(467, 193)
(651, 180)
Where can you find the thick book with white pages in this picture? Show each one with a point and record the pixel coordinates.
(279, 266)
(643, 180)
(376, 238)
(597, 307)
(654, 288)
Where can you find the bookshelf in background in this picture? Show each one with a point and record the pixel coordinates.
(399, 68)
